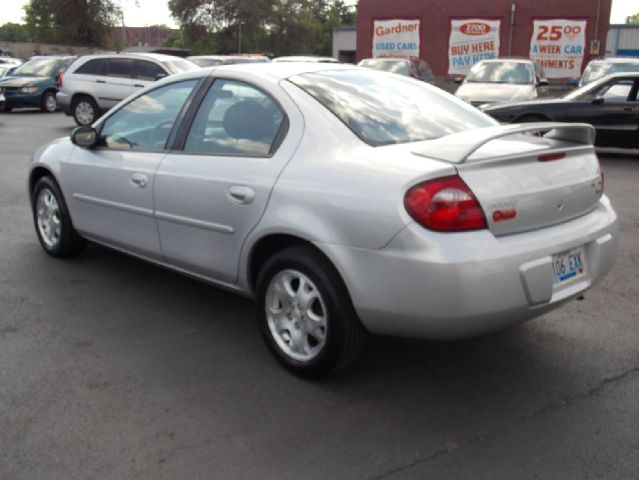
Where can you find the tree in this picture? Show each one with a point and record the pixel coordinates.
(277, 26)
(75, 22)
(633, 18)
(14, 32)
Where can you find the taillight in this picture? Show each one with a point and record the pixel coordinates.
(599, 186)
(445, 205)
(60, 75)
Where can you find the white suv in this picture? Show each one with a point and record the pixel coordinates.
(93, 84)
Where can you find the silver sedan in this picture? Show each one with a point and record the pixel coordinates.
(344, 200)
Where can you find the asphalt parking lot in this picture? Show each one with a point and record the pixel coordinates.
(111, 368)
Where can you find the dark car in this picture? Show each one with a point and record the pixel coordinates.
(410, 67)
(34, 83)
(609, 104)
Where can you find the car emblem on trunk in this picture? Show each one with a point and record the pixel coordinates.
(560, 206)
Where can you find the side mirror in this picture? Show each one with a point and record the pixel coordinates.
(160, 76)
(458, 80)
(598, 100)
(574, 82)
(85, 137)
(543, 82)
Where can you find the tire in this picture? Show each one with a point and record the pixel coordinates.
(52, 220)
(7, 108)
(314, 339)
(85, 111)
(48, 103)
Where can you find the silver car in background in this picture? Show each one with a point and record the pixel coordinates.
(503, 80)
(95, 83)
(344, 200)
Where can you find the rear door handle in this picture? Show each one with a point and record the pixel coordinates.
(139, 180)
(139, 86)
(241, 194)
(100, 81)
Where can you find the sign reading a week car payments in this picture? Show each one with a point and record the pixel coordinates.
(471, 40)
(559, 46)
(396, 38)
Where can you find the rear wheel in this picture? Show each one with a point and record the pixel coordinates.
(305, 313)
(48, 103)
(85, 111)
(7, 108)
(52, 220)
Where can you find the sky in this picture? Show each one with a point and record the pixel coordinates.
(154, 12)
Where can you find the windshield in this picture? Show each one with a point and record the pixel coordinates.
(393, 66)
(386, 109)
(179, 66)
(37, 67)
(501, 72)
(595, 71)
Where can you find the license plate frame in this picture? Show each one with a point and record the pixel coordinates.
(569, 267)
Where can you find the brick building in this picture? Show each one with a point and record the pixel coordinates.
(453, 34)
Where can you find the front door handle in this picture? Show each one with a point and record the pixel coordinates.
(139, 180)
(241, 194)
(100, 81)
(138, 86)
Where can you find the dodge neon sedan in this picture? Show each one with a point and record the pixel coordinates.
(344, 200)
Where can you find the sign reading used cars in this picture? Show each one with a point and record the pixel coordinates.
(471, 40)
(396, 38)
(559, 46)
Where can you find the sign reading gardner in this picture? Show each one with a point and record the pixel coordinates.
(471, 40)
(396, 38)
(559, 46)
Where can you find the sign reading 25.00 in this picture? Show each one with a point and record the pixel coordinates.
(559, 46)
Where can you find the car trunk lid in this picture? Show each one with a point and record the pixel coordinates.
(527, 177)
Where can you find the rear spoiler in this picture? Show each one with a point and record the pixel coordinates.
(457, 147)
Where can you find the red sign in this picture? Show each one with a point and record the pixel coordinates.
(475, 28)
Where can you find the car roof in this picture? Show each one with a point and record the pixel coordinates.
(305, 58)
(509, 59)
(134, 55)
(616, 60)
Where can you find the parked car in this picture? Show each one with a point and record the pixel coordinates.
(410, 67)
(34, 83)
(601, 67)
(503, 79)
(342, 199)
(306, 58)
(214, 60)
(609, 104)
(95, 83)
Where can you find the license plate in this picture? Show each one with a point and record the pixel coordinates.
(568, 266)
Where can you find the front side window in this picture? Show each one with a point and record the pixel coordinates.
(145, 123)
(235, 118)
(389, 109)
(148, 70)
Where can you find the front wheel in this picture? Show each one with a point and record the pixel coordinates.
(306, 315)
(48, 104)
(52, 220)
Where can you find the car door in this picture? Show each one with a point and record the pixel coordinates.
(612, 110)
(211, 194)
(117, 83)
(111, 185)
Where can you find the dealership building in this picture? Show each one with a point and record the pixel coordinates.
(452, 35)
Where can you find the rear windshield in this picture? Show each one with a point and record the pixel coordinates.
(384, 109)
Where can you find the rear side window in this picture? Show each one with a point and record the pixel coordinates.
(389, 109)
(235, 118)
(148, 70)
(119, 67)
(92, 67)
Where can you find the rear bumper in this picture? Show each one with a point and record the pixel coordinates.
(432, 285)
(64, 102)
